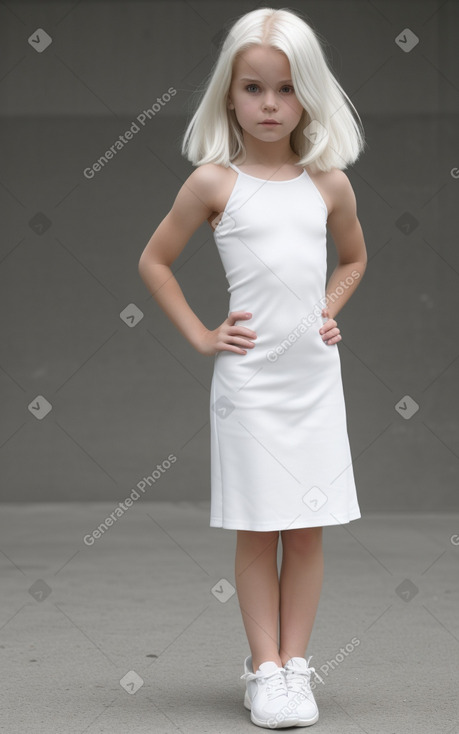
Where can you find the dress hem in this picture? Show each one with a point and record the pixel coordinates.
(235, 525)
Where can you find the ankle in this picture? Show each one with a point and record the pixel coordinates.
(256, 663)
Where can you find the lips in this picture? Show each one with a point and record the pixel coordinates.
(270, 122)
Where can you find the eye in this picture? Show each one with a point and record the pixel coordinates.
(286, 87)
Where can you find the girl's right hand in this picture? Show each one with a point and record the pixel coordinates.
(228, 336)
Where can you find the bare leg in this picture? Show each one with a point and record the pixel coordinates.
(257, 585)
(300, 586)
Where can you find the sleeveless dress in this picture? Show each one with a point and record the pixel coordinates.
(280, 455)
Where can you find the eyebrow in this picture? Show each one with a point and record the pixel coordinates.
(247, 79)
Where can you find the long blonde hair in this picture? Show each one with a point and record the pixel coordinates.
(214, 135)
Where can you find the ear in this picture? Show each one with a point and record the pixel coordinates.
(230, 104)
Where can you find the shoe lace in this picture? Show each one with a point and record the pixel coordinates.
(299, 681)
(274, 682)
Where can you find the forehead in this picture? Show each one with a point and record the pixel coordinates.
(263, 62)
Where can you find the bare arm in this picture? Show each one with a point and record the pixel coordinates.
(192, 206)
(189, 211)
(347, 234)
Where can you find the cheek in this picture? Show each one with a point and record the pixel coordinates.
(246, 107)
(296, 108)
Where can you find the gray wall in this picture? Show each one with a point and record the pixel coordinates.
(124, 398)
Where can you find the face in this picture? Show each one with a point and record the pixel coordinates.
(261, 89)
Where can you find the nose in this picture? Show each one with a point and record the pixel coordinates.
(269, 101)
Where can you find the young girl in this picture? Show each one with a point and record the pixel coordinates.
(270, 139)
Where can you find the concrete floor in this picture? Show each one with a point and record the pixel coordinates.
(141, 631)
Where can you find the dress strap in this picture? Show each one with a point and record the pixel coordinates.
(235, 168)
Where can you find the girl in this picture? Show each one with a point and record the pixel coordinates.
(270, 139)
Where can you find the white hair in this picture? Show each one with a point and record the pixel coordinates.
(214, 135)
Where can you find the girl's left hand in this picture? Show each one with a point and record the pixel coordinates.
(329, 331)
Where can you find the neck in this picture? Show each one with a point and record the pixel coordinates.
(270, 155)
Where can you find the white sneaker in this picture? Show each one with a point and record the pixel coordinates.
(266, 696)
(298, 679)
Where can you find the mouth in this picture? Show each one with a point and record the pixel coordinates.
(269, 122)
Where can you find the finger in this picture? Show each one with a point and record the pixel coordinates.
(237, 316)
(240, 341)
(327, 339)
(330, 324)
(233, 341)
(242, 330)
(223, 346)
(231, 348)
(330, 334)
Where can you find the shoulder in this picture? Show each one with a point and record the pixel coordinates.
(335, 180)
(337, 186)
(206, 179)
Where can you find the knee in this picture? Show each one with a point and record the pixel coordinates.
(258, 541)
(302, 540)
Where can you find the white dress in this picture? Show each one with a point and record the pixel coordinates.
(280, 456)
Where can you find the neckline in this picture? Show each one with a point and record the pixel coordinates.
(268, 180)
